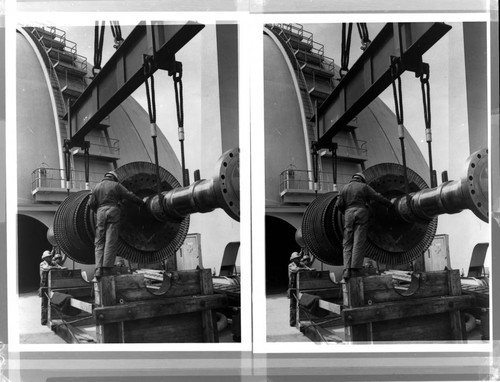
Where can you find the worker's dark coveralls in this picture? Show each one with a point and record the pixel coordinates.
(45, 267)
(106, 200)
(355, 196)
(293, 269)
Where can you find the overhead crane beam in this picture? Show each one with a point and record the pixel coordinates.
(371, 74)
(124, 72)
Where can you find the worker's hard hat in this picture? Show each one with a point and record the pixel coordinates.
(294, 256)
(111, 175)
(46, 254)
(359, 176)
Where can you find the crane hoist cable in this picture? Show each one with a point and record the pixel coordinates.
(315, 162)
(150, 94)
(67, 162)
(426, 100)
(179, 104)
(398, 106)
(98, 44)
(86, 159)
(333, 149)
(363, 35)
(346, 47)
(117, 34)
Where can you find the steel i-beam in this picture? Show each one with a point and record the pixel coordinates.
(124, 72)
(371, 74)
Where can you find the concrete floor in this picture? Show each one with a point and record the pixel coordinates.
(278, 326)
(31, 331)
(279, 330)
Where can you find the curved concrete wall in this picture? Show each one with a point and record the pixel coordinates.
(36, 131)
(284, 131)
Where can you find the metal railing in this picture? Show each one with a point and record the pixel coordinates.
(55, 38)
(297, 180)
(52, 37)
(55, 178)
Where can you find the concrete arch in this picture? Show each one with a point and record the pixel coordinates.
(31, 242)
(280, 243)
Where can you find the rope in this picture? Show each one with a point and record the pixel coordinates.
(426, 100)
(98, 44)
(63, 322)
(346, 47)
(398, 106)
(308, 318)
(179, 105)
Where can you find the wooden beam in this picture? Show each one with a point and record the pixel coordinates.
(156, 308)
(82, 305)
(208, 320)
(354, 298)
(404, 309)
(105, 297)
(323, 304)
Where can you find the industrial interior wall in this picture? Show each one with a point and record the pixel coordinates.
(284, 129)
(203, 138)
(454, 138)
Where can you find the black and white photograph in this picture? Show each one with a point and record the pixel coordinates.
(128, 183)
(376, 141)
(249, 190)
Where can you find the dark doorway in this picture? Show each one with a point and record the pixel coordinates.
(31, 242)
(280, 243)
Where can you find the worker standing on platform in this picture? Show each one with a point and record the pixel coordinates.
(106, 200)
(353, 201)
(294, 267)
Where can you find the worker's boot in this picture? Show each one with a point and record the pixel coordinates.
(346, 275)
(97, 275)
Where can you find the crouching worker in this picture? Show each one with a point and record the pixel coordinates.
(295, 266)
(106, 200)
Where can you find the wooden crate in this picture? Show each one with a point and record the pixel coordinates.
(127, 311)
(430, 310)
(69, 282)
(123, 309)
(318, 283)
